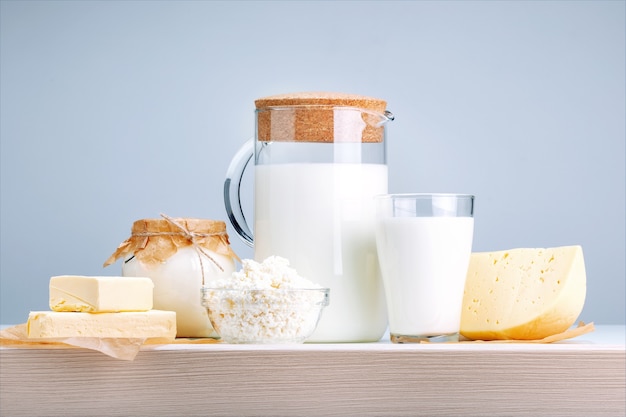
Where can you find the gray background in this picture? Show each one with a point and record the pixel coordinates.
(116, 111)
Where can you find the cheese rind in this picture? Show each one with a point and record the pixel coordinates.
(143, 324)
(523, 294)
(100, 294)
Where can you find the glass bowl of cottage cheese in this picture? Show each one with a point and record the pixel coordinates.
(265, 302)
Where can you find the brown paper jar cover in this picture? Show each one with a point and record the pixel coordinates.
(311, 117)
(153, 241)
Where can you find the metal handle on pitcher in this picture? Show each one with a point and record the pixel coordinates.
(232, 191)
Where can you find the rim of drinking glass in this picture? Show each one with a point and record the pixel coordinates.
(424, 195)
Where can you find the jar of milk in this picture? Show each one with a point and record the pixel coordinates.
(319, 159)
(180, 255)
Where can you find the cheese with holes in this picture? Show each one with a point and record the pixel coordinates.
(100, 294)
(523, 294)
(133, 324)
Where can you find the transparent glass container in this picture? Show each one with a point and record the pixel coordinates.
(319, 160)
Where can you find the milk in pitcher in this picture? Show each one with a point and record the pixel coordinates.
(321, 216)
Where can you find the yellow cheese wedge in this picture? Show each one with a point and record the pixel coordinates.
(141, 324)
(100, 294)
(523, 294)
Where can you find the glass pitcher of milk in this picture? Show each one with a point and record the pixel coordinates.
(319, 159)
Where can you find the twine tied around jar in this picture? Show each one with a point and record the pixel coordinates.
(192, 238)
(153, 241)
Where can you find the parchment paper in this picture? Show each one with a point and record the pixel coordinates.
(118, 348)
(570, 333)
(127, 349)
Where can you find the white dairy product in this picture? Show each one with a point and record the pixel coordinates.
(321, 217)
(525, 293)
(130, 324)
(273, 273)
(100, 294)
(177, 286)
(265, 302)
(424, 262)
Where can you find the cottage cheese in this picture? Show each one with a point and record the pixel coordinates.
(273, 272)
(265, 302)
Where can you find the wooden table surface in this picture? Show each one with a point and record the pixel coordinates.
(585, 376)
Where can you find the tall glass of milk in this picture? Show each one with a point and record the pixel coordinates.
(319, 160)
(424, 245)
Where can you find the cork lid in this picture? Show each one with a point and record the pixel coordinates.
(320, 117)
(322, 99)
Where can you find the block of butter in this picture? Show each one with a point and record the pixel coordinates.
(523, 293)
(100, 294)
(132, 324)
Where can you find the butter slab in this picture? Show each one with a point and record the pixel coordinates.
(95, 294)
(132, 324)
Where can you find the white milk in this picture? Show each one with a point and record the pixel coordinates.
(424, 262)
(321, 218)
